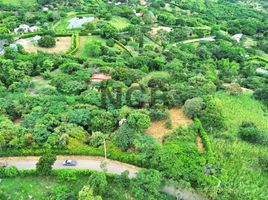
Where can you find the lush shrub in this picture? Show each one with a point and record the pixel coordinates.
(47, 41)
(249, 132)
(11, 171)
(193, 107)
(45, 163)
(98, 182)
(158, 114)
(66, 175)
(263, 161)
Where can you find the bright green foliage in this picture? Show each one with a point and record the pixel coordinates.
(11, 171)
(139, 120)
(98, 182)
(87, 194)
(146, 184)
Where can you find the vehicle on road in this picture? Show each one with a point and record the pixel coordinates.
(3, 164)
(70, 163)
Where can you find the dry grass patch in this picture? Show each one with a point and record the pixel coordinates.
(158, 129)
(63, 44)
(156, 29)
(200, 145)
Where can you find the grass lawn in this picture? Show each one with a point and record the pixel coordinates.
(237, 109)
(84, 39)
(119, 22)
(63, 44)
(19, 2)
(238, 158)
(21, 188)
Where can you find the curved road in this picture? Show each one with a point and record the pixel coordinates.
(93, 163)
(83, 162)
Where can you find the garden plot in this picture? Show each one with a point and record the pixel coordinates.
(63, 44)
(158, 129)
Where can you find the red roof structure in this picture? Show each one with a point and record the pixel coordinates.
(100, 77)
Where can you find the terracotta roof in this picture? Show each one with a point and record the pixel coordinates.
(100, 77)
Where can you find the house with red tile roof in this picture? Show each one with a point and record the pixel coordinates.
(100, 77)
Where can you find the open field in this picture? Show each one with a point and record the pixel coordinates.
(119, 22)
(84, 39)
(63, 44)
(237, 109)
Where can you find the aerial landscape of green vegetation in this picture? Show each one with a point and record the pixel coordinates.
(133, 100)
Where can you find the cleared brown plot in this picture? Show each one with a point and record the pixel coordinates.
(158, 129)
(200, 145)
(63, 44)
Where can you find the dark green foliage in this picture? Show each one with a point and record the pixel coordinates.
(47, 41)
(263, 161)
(45, 163)
(98, 182)
(146, 184)
(249, 132)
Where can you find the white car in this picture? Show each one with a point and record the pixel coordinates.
(69, 163)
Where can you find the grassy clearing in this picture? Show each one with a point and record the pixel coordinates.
(63, 44)
(237, 109)
(24, 3)
(239, 159)
(84, 39)
(119, 22)
(21, 188)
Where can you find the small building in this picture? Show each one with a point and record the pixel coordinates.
(24, 28)
(45, 9)
(99, 78)
(139, 14)
(33, 28)
(237, 37)
(262, 71)
(36, 38)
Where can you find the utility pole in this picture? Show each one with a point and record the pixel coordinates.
(105, 150)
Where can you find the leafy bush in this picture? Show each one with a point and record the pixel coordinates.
(44, 165)
(249, 132)
(66, 175)
(97, 139)
(98, 182)
(11, 171)
(193, 107)
(47, 41)
(263, 162)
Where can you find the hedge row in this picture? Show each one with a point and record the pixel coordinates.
(203, 134)
(259, 58)
(75, 44)
(28, 35)
(123, 46)
(60, 173)
(113, 153)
